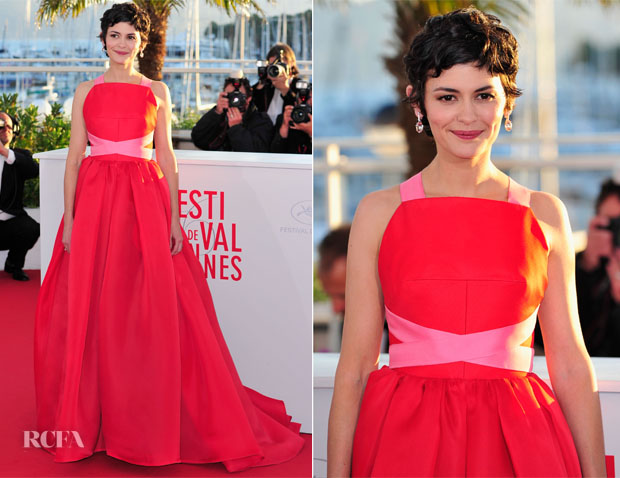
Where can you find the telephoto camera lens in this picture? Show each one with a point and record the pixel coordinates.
(274, 70)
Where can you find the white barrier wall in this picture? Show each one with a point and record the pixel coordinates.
(249, 218)
(607, 374)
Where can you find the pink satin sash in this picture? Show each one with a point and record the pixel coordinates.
(136, 147)
(499, 347)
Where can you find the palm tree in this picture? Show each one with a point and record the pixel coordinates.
(410, 16)
(158, 10)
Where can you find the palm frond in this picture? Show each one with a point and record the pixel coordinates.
(160, 7)
(232, 5)
(604, 3)
(50, 10)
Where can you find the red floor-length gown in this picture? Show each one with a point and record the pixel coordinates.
(128, 350)
(462, 280)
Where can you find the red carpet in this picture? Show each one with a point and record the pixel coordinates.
(17, 407)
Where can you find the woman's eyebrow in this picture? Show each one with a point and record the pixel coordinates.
(454, 90)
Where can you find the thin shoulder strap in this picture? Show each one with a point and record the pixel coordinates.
(412, 188)
(518, 194)
(145, 81)
(99, 80)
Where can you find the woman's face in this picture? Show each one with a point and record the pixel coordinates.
(122, 42)
(464, 107)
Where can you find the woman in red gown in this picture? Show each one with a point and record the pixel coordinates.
(461, 260)
(128, 351)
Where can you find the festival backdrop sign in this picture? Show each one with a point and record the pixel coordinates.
(250, 224)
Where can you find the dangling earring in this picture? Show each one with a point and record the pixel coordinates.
(508, 124)
(141, 53)
(419, 127)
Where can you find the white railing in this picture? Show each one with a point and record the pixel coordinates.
(67, 65)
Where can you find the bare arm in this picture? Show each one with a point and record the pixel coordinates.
(569, 365)
(167, 161)
(363, 326)
(77, 147)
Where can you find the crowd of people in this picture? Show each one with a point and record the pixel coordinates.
(273, 115)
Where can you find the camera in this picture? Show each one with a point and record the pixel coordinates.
(236, 99)
(275, 69)
(301, 112)
(261, 66)
(614, 228)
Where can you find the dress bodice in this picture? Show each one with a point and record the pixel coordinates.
(453, 268)
(120, 118)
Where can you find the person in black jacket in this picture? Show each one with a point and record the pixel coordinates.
(280, 58)
(598, 276)
(18, 231)
(234, 128)
(294, 135)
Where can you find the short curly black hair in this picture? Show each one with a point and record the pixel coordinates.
(126, 12)
(467, 35)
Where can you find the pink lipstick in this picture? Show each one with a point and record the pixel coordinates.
(467, 135)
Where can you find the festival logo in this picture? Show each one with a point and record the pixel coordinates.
(301, 212)
(215, 240)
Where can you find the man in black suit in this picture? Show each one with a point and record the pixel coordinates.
(18, 231)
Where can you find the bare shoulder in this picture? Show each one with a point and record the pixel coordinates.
(160, 89)
(552, 217)
(374, 212)
(548, 208)
(83, 88)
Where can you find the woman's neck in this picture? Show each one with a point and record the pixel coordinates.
(465, 179)
(121, 73)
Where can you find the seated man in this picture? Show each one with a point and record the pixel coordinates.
(18, 231)
(234, 123)
(293, 132)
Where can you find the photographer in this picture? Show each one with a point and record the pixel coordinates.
(294, 126)
(18, 231)
(598, 276)
(234, 123)
(277, 81)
